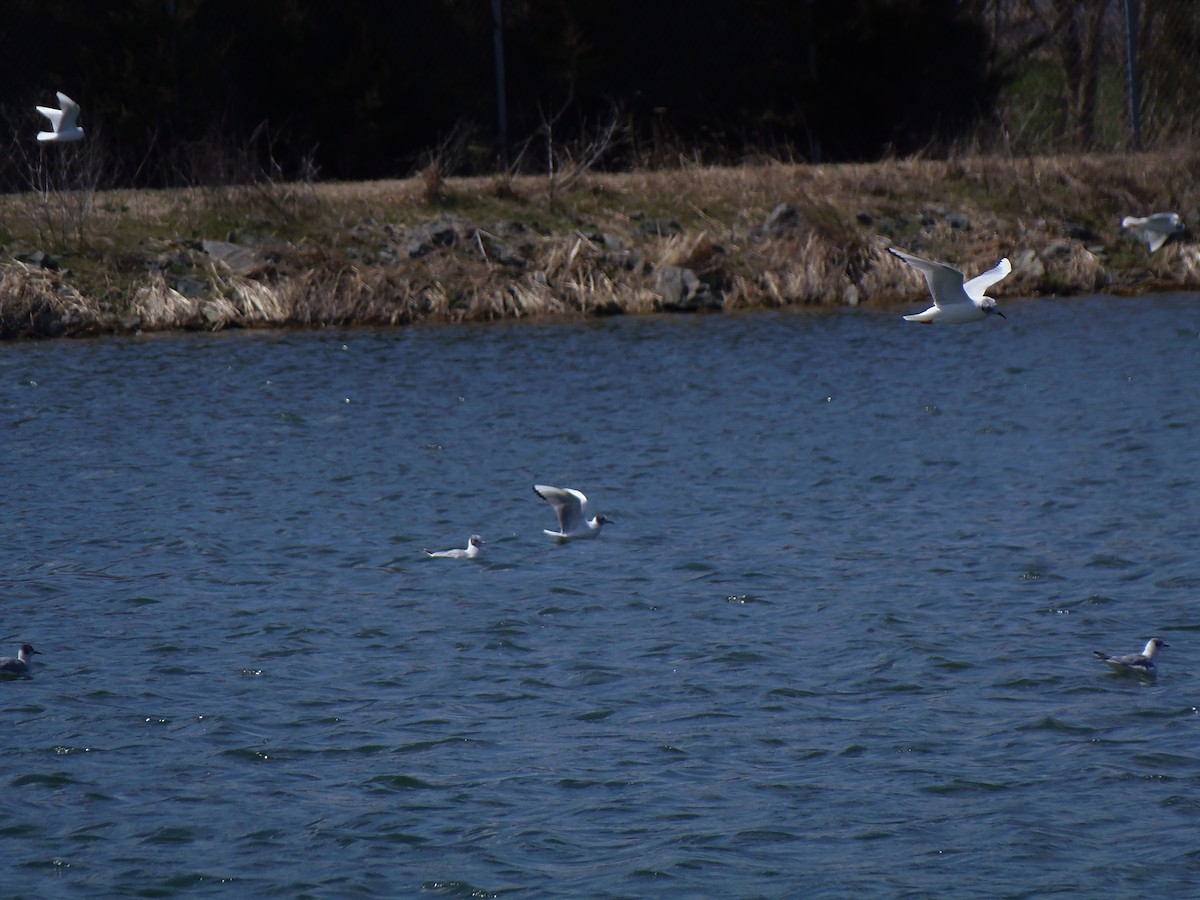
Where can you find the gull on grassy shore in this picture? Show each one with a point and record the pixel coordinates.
(62, 121)
(21, 664)
(469, 552)
(571, 507)
(955, 302)
(1140, 663)
(1154, 230)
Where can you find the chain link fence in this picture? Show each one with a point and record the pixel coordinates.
(1095, 75)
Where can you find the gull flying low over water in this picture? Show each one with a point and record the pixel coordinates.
(572, 509)
(470, 552)
(21, 664)
(955, 302)
(62, 121)
(1140, 663)
(1154, 230)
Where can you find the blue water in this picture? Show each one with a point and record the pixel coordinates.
(837, 641)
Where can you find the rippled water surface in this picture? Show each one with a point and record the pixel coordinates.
(838, 640)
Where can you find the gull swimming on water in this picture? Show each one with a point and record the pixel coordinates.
(61, 120)
(1155, 230)
(572, 508)
(471, 551)
(1142, 663)
(955, 302)
(19, 665)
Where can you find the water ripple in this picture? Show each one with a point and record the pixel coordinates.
(810, 643)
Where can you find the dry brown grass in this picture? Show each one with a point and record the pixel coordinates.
(338, 254)
(35, 302)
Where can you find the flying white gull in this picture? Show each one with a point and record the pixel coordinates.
(953, 301)
(61, 120)
(1142, 663)
(1155, 229)
(21, 664)
(471, 551)
(572, 508)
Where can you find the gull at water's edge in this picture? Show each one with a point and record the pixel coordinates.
(1141, 663)
(62, 121)
(572, 509)
(470, 552)
(21, 664)
(955, 302)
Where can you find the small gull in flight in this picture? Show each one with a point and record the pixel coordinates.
(19, 665)
(61, 120)
(953, 301)
(1142, 663)
(470, 552)
(572, 508)
(1154, 230)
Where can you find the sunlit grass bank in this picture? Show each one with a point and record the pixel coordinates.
(432, 249)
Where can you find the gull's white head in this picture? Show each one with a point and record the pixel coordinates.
(476, 540)
(988, 305)
(1153, 646)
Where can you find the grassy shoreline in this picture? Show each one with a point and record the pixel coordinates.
(76, 262)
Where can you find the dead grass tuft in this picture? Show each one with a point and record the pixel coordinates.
(36, 302)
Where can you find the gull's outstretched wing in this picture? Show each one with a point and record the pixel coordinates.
(54, 115)
(569, 504)
(70, 112)
(945, 282)
(978, 285)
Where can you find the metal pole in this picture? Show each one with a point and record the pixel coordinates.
(814, 140)
(1131, 75)
(501, 109)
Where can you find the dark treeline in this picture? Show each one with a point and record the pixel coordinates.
(188, 91)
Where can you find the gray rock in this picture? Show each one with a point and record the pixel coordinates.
(1027, 262)
(660, 227)
(1057, 248)
(430, 236)
(39, 258)
(192, 286)
(891, 226)
(783, 219)
(176, 261)
(957, 220)
(607, 241)
(1080, 232)
(509, 258)
(630, 260)
(240, 259)
(682, 290)
(496, 251)
(931, 218)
